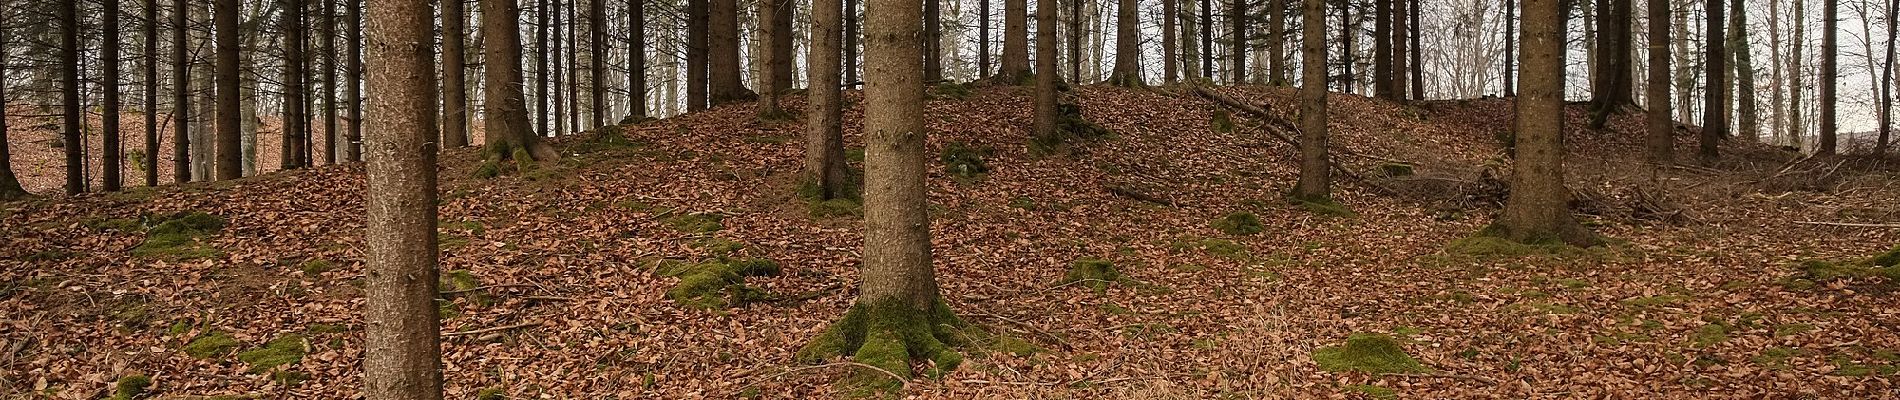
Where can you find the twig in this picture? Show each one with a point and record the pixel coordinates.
(1066, 284)
(548, 298)
(1853, 224)
(494, 329)
(1058, 339)
(481, 288)
(821, 292)
(1485, 379)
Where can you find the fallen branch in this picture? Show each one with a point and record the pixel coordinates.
(1132, 193)
(810, 295)
(494, 329)
(1852, 224)
(481, 288)
(1485, 379)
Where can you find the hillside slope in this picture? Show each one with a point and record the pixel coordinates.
(561, 298)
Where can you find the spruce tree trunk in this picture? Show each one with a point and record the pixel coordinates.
(505, 114)
(111, 166)
(1510, 46)
(454, 66)
(1401, 66)
(181, 93)
(1015, 63)
(402, 355)
(1610, 89)
(596, 64)
(1207, 39)
(230, 162)
(1830, 72)
(1382, 48)
(556, 92)
(723, 47)
(1661, 139)
(328, 64)
(1237, 21)
(851, 36)
(933, 41)
(696, 58)
(353, 73)
(247, 96)
(1315, 175)
(151, 103)
(9, 183)
(1276, 42)
(542, 63)
(824, 135)
(637, 59)
(777, 36)
(982, 39)
(1537, 210)
(1170, 72)
(1190, 50)
(291, 151)
(1748, 118)
(1075, 40)
(69, 89)
(1046, 75)
(1418, 55)
(1715, 99)
(1796, 127)
(1127, 45)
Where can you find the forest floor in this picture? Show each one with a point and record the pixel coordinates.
(555, 291)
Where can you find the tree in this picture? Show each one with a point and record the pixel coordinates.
(1830, 72)
(542, 63)
(110, 166)
(327, 62)
(1276, 42)
(775, 20)
(454, 65)
(1510, 45)
(1207, 39)
(1237, 20)
(1796, 127)
(697, 19)
(597, 64)
(723, 48)
(1046, 74)
(294, 118)
(1537, 210)
(505, 129)
(1715, 99)
(898, 298)
(1127, 45)
(851, 42)
(824, 136)
(1744, 73)
(230, 158)
(1887, 81)
(1418, 54)
(637, 58)
(151, 97)
(1170, 71)
(401, 336)
(69, 77)
(1075, 38)
(1400, 68)
(1610, 89)
(1015, 63)
(9, 183)
(554, 40)
(1316, 181)
(353, 140)
(1661, 139)
(933, 41)
(181, 93)
(1382, 48)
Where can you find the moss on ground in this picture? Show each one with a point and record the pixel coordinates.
(696, 222)
(1710, 335)
(1487, 245)
(464, 284)
(130, 387)
(835, 208)
(952, 91)
(890, 335)
(965, 161)
(1222, 121)
(1322, 206)
(284, 350)
(1092, 272)
(718, 284)
(492, 393)
(1240, 223)
(1367, 352)
(211, 344)
(1811, 273)
(180, 237)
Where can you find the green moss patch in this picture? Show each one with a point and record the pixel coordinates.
(211, 345)
(1880, 271)
(1222, 121)
(1240, 223)
(696, 222)
(1367, 352)
(284, 350)
(1091, 272)
(835, 208)
(1710, 335)
(180, 237)
(718, 284)
(1322, 206)
(492, 393)
(952, 91)
(964, 161)
(890, 335)
(1488, 246)
(130, 387)
(462, 284)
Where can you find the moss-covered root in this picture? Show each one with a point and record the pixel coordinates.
(130, 387)
(889, 334)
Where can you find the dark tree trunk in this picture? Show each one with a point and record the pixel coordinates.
(292, 149)
(824, 136)
(329, 65)
(723, 48)
(1237, 20)
(1715, 101)
(1418, 55)
(1537, 210)
(1661, 139)
(933, 41)
(151, 95)
(1015, 63)
(69, 79)
(1346, 36)
(181, 93)
(1316, 180)
(1127, 45)
(402, 354)
(555, 32)
(850, 64)
(230, 157)
(1886, 82)
(454, 65)
(637, 58)
(1382, 48)
(1611, 88)
(775, 16)
(353, 73)
(596, 64)
(982, 38)
(1830, 73)
(9, 183)
(1170, 66)
(111, 166)
(1510, 48)
(543, 60)
(1075, 39)
(696, 58)
(1046, 75)
(1276, 42)
(1401, 68)
(1207, 39)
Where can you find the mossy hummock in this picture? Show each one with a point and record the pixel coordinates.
(889, 334)
(1367, 352)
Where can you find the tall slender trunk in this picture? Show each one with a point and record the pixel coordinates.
(1276, 42)
(291, 152)
(555, 32)
(1347, 33)
(505, 125)
(1776, 75)
(1661, 139)
(1610, 88)
(1886, 82)
(1127, 45)
(1796, 127)
(1075, 39)
(151, 100)
(402, 354)
(1748, 120)
(111, 165)
(982, 39)
(1418, 53)
(1715, 102)
(597, 64)
(1510, 46)
(247, 94)
(1382, 48)
(1015, 63)
(933, 41)
(851, 36)
(637, 58)
(9, 183)
(1237, 20)
(1315, 180)
(824, 138)
(69, 89)
(1401, 64)
(328, 64)
(181, 93)
(1537, 209)
(454, 66)
(1830, 72)
(543, 60)
(723, 48)
(1190, 40)
(1170, 71)
(353, 73)
(1046, 75)
(770, 80)
(1207, 39)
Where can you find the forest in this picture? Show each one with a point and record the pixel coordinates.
(948, 199)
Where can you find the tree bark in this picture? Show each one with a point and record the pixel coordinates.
(1347, 32)
(1610, 89)
(1537, 211)
(1382, 49)
(1401, 84)
(1237, 21)
(353, 73)
(1276, 42)
(1830, 73)
(291, 150)
(1418, 54)
(1886, 82)
(1046, 75)
(69, 77)
(1661, 139)
(933, 40)
(1015, 63)
(774, 18)
(1316, 180)
(1510, 46)
(637, 59)
(723, 48)
(328, 64)
(1748, 120)
(181, 93)
(596, 64)
(1170, 65)
(1796, 127)
(1715, 99)
(402, 354)
(151, 101)
(1207, 39)
(824, 135)
(111, 165)
(9, 183)
(505, 118)
(454, 65)
(1075, 39)
(851, 36)
(1127, 71)
(558, 71)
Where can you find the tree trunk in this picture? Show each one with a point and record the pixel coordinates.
(291, 151)
(69, 76)
(151, 104)
(247, 94)
(851, 36)
(1276, 42)
(1776, 75)
(1796, 127)
(1315, 176)
(1661, 139)
(1170, 72)
(1190, 40)
(1046, 75)
(696, 57)
(1075, 39)
(1418, 54)
(898, 295)
(1537, 211)
(402, 354)
(933, 41)
(1715, 102)
(1127, 45)
(1510, 46)
(1237, 21)
(775, 17)
(1886, 82)
(824, 138)
(1830, 72)
(1749, 119)
(1207, 39)
(353, 72)
(555, 32)
(1610, 88)
(1347, 32)
(637, 59)
(1382, 49)
(454, 65)
(505, 118)
(9, 183)
(326, 29)
(111, 165)
(596, 64)
(181, 93)
(1401, 66)
(723, 48)
(1015, 63)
